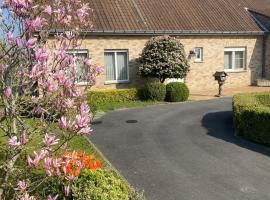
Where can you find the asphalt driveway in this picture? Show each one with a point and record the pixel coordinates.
(184, 151)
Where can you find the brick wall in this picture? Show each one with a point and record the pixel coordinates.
(201, 74)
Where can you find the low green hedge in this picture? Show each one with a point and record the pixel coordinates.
(252, 116)
(99, 185)
(99, 97)
(177, 92)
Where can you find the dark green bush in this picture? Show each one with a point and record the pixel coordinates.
(177, 92)
(99, 185)
(153, 92)
(99, 97)
(252, 116)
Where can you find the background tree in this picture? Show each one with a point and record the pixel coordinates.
(163, 57)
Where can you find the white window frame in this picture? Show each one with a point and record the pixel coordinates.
(201, 53)
(78, 51)
(115, 51)
(233, 50)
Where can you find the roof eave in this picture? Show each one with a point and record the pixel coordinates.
(163, 32)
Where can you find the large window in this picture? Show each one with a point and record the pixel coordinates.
(81, 73)
(198, 54)
(234, 59)
(116, 65)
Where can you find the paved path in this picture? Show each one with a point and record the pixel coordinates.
(184, 152)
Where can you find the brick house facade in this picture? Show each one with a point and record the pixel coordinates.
(201, 73)
(230, 35)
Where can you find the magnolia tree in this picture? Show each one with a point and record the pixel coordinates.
(39, 97)
(163, 57)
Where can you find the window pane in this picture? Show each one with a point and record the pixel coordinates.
(198, 53)
(122, 66)
(110, 66)
(239, 63)
(239, 60)
(227, 60)
(81, 73)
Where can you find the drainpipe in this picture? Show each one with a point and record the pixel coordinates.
(264, 55)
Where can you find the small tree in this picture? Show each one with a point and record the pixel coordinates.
(41, 80)
(163, 57)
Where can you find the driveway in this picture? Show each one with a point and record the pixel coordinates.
(184, 151)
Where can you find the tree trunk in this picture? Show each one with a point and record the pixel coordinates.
(162, 79)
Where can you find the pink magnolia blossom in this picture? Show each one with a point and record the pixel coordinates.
(18, 42)
(62, 78)
(48, 166)
(84, 109)
(13, 142)
(34, 25)
(64, 123)
(83, 11)
(33, 71)
(31, 43)
(20, 4)
(70, 103)
(51, 86)
(27, 197)
(85, 131)
(3, 68)
(48, 9)
(67, 190)
(37, 159)
(10, 37)
(69, 35)
(82, 121)
(88, 62)
(24, 137)
(8, 92)
(66, 20)
(38, 110)
(99, 70)
(50, 140)
(93, 80)
(52, 197)
(41, 55)
(21, 185)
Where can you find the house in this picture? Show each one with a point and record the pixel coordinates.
(226, 35)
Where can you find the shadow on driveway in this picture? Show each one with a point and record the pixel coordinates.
(220, 125)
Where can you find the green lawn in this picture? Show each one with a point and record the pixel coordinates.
(110, 106)
(78, 143)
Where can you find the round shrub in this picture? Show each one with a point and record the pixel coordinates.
(177, 92)
(153, 92)
(99, 185)
(163, 57)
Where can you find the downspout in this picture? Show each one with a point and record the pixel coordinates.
(264, 55)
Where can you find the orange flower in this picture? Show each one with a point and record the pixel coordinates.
(77, 160)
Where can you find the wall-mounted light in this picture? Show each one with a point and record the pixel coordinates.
(191, 54)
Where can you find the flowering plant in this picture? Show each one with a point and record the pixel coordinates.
(37, 70)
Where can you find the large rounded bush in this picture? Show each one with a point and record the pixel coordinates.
(177, 92)
(99, 185)
(163, 57)
(252, 116)
(153, 92)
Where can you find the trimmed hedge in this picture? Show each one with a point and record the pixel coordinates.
(177, 92)
(98, 97)
(153, 92)
(99, 185)
(252, 116)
